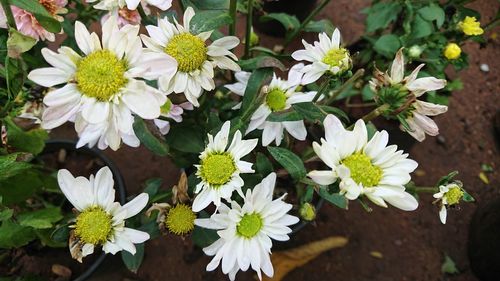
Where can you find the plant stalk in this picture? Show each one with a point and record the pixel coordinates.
(306, 21)
(325, 86)
(342, 88)
(373, 114)
(232, 13)
(249, 28)
(8, 14)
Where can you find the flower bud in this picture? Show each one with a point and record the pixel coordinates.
(415, 51)
(452, 51)
(307, 212)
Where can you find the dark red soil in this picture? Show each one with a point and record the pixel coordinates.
(412, 244)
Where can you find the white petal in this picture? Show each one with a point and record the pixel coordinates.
(322, 177)
(136, 205)
(398, 67)
(49, 76)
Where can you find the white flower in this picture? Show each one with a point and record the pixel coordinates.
(448, 195)
(369, 168)
(326, 56)
(246, 231)
(100, 86)
(220, 167)
(100, 220)
(411, 88)
(195, 60)
(172, 111)
(111, 5)
(280, 96)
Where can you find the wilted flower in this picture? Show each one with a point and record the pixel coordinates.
(124, 16)
(470, 26)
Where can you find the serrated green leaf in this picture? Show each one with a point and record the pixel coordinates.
(20, 187)
(334, 198)
(290, 161)
(262, 61)
(133, 262)
(156, 145)
(13, 164)
(13, 235)
(40, 219)
(32, 141)
(381, 14)
(282, 116)
(209, 20)
(387, 45)
(313, 112)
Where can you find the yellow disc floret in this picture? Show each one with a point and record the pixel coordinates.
(100, 75)
(362, 170)
(188, 50)
(217, 168)
(452, 51)
(470, 26)
(276, 99)
(454, 195)
(93, 225)
(180, 219)
(249, 225)
(338, 57)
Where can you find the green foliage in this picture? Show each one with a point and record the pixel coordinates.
(289, 22)
(41, 219)
(186, 138)
(380, 15)
(32, 141)
(41, 14)
(323, 25)
(133, 262)
(387, 45)
(290, 161)
(209, 20)
(156, 145)
(334, 198)
(13, 164)
(13, 235)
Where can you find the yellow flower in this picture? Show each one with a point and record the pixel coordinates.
(470, 26)
(452, 51)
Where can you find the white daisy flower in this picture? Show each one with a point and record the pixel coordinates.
(448, 195)
(172, 111)
(220, 168)
(395, 86)
(111, 5)
(100, 221)
(326, 56)
(101, 85)
(281, 95)
(369, 168)
(195, 60)
(246, 231)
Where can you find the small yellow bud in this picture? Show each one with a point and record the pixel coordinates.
(307, 212)
(254, 39)
(452, 51)
(470, 26)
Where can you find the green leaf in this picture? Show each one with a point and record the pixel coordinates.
(133, 262)
(290, 161)
(209, 20)
(433, 13)
(13, 235)
(152, 187)
(387, 45)
(19, 43)
(13, 164)
(20, 187)
(203, 237)
(289, 22)
(371, 129)
(41, 14)
(44, 235)
(153, 143)
(281, 116)
(6, 214)
(261, 62)
(258, 78)
(263, 165)
(151, 228)
(315, 113)
(60, 234)
(323, 25)
(421, 28)
(381, 14)
(40, 219)
(207, 4)
(449, 266)
(32, 141)
(448, 178)
(334, 198)
(467, 197)
(186, 138)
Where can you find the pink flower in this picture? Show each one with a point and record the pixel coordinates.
(125, 16)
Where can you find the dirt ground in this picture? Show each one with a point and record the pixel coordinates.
(412, 244)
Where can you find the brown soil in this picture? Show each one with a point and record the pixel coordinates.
(412, 244)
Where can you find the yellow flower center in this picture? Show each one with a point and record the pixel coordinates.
(276, 99)
(166, 107)
(452, 51)
(249, 225)
(101, 75)
(93, 225)
(217, 169)
(336, 57)
(188, 50)
(470, 26)
(180, 219)
(454, 195)
(362, 169)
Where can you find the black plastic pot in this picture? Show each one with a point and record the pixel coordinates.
(299, 8)
(484, 243)
(69, 145)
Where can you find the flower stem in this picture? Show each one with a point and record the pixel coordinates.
(306, 21)
(232, 13)
(351, 80)
(249, 28)
(325, 86)
(425, 189)
(373, 114)
(8, 14)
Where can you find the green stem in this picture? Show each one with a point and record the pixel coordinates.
(424, 189)
(306, 21)
(248, 29)
(373, 114)
(181, 5)
(349, 82)
(325, 86)
(8, 14)
(232, 13)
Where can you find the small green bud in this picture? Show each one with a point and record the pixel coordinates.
(415, 51)
(307, 212)
(254, 39)
(219, 94)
